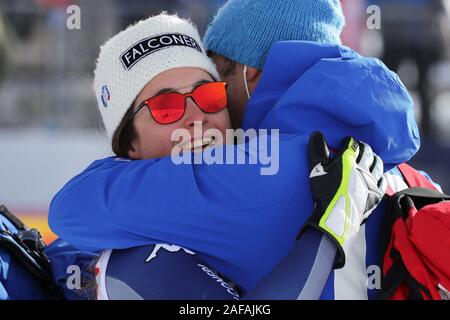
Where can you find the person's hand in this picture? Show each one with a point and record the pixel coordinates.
(346, 189)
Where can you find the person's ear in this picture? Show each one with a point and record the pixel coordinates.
(134, 152)
(253, 76)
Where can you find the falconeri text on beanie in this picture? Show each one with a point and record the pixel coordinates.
(244, 30)
(133, 57)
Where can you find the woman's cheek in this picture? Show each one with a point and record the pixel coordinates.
(225, 122)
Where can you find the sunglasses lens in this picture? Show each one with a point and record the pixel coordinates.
(166, 108)
(169, 107)
(211, 97)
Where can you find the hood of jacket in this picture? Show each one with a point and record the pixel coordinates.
(310, 86)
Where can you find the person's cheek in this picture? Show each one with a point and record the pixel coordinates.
(222, 123)
(150, 142)
(170, 133)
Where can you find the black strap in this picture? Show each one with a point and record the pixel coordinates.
(27, 247)
(12, 218)
(393, 279)
(395, 211)
(37, 265)
(416, 289)
(397, 275)
(423, 196)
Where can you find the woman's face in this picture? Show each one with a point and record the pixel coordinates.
(154, 139)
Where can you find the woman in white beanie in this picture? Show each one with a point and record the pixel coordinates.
(147, 87)
(151, 66)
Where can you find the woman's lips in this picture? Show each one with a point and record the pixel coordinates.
(197, 144)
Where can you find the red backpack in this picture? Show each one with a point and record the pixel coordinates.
(415, 241)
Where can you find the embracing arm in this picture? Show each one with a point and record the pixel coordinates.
(121, 204)
(177, 273)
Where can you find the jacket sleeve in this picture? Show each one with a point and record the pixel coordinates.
(117, 203)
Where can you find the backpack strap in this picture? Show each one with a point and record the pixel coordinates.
(414, 178)
(397, 275)
(422, 196)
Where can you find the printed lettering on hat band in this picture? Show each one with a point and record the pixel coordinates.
(150, 45)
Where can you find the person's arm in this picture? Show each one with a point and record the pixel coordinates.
(172, 272)
(167, 272)
(121, 204)
(346, 189)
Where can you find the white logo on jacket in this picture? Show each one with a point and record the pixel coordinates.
(168, 247)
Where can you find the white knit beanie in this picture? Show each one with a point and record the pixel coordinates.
(133, 57)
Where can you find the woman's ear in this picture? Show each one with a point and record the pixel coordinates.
(253, 76)
(134, 152)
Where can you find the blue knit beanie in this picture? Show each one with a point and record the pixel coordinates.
(244, 30)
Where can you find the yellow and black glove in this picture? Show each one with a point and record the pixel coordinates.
(346, 189)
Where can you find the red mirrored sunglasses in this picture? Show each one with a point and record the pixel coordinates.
(166, 108)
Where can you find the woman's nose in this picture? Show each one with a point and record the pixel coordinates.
(194, 114)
